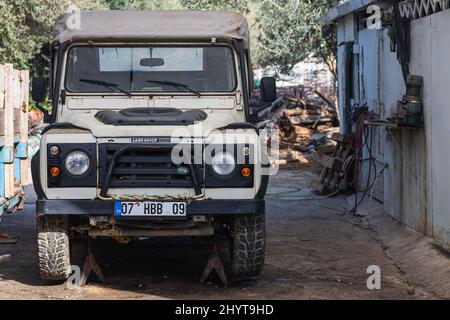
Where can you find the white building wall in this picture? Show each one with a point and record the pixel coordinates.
(438, 91)
(341, 75)
(369, 89)
(416, 185)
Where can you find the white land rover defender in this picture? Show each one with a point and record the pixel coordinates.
(151, 133)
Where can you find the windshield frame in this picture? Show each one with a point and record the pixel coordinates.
(174, 92)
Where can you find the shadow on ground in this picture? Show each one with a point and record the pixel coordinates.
(313, 252)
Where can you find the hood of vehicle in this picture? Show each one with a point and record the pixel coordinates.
(215, 119)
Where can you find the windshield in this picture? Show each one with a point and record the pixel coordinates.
(150, 69)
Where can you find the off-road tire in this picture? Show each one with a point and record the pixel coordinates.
(248, 245)
(53, 247)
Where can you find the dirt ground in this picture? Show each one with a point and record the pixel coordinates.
(313, 252)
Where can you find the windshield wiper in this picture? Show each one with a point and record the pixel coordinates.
(176, 85)
(106, 84)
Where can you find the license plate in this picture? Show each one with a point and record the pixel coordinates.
(150, 209)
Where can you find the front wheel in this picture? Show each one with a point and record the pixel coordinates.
(53, 247)
(248, 245)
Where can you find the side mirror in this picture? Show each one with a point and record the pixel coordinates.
(39, 90)
(268, 88)
(39, 94)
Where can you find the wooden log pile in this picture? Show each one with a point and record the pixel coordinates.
(14, 166)
(307, 120)
(307, 107)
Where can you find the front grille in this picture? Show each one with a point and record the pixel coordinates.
(145, 167)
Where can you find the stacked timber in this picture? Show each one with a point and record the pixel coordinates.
(14, 97)
(307, 120)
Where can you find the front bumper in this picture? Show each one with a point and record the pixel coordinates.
(106, 207)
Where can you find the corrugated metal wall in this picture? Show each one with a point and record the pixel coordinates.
(431, 54)
(416, 185)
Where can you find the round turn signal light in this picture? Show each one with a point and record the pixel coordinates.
(55, 171)
(246, 172)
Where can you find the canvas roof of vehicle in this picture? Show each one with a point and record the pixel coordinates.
(133, 25)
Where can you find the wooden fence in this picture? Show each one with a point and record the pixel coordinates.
(14, 164)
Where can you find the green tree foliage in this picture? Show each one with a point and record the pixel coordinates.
(290, 32)
(26, 27)
(284, 32)
(143, 4)
(234, 5)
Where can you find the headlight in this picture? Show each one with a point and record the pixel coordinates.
(223, 163)
(77, 163)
